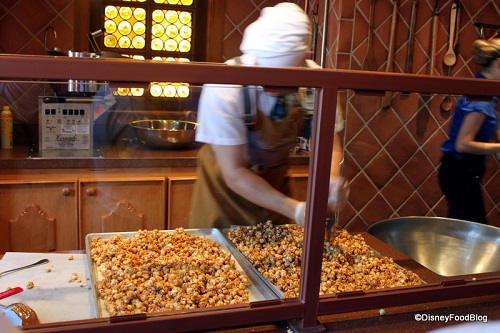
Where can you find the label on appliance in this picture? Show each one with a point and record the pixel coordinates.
(67, 129)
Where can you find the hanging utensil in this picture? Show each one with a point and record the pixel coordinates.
(369, 63)
(435, 22)
(411, 37)
(456, 47)
(450, 57)
(314, 33)
(387, 98)
(447, 103)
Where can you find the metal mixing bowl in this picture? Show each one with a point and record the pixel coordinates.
(165, 134)
(446, 246)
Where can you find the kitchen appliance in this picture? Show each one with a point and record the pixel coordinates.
(66, 126)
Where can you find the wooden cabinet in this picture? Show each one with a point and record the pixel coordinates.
(118, 205)
(298, 186)
(38, 216)
(56, 209)
(180, 192)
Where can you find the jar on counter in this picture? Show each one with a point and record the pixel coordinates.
(6, 128)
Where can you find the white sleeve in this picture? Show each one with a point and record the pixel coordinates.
(220, 115)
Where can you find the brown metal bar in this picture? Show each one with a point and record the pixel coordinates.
(62, 68)
(309, 305)
(317, 197)
(410, 296)
(193, 322)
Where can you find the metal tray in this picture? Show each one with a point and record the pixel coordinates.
(258, 289)
(269, 284)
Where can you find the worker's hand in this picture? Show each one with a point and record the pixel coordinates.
(300, 213)
(339, 193)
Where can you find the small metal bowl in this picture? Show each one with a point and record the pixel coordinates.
(165, 134)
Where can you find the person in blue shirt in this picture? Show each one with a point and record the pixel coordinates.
(473, 135)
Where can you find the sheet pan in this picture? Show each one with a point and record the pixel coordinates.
(273, 287)
(259, 290)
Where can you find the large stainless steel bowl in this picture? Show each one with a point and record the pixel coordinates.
(446, 246)
(165, 134)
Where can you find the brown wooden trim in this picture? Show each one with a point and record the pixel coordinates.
(81, 26)
(216, 10)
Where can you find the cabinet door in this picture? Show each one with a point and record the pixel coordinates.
(180, 191)
(38, 216)
(298, 187)
(119, 205)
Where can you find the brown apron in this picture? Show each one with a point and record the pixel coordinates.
(214, 205)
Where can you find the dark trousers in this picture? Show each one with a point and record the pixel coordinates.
(460, 177)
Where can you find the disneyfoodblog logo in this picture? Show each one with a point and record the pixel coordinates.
(451, 317)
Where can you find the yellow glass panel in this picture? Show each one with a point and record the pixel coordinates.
(137, 91)
(185, 32)
(124, 42)
(140, 14)
(185, 17)
(184, 46)
(169, 91)
(110, 26)
(125, 13)
(172, 31)
(110, 12)
(171, 16)
(183, 91)
(157, 30)
(110, 41)
(158, 16)
(155, 90)
(122, 91)
(157, 44)
(138, 42)
(124, 27)
(139, 28)
(170, 45)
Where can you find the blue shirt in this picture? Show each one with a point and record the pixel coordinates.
(463, 108)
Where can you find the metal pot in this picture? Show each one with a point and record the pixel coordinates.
(446, 246)
(74, 85)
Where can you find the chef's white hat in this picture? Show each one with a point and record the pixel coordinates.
(279, 37)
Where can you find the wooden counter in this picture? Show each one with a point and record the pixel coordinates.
(122, 155)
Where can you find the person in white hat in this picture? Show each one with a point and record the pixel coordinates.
(242, 168)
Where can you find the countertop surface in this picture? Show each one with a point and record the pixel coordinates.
(78, 303)
(126, 154)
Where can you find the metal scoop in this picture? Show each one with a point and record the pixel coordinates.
(40, 262)
(331, 224)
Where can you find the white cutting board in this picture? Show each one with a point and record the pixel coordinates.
(53, 298)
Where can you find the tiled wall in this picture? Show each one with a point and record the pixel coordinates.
(392, 155)
(23, 24)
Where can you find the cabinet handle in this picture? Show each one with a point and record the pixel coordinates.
(90, 191)
(66, 191)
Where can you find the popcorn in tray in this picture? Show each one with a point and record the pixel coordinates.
(155, 271)
(349, 264)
